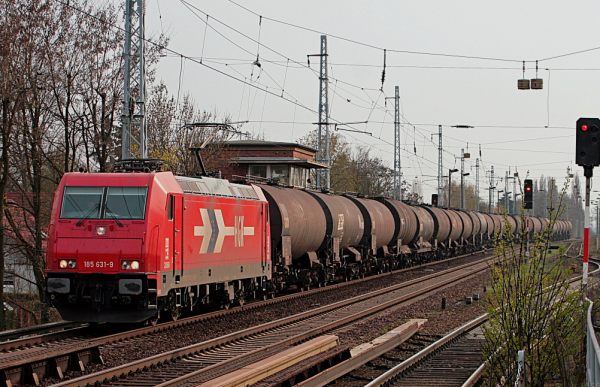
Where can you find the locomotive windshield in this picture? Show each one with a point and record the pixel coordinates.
(120, 203)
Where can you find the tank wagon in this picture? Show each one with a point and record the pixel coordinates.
(130, 247)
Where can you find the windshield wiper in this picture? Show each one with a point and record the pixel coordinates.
(90, 212)
(112, 215)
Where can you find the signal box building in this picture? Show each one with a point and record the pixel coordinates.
(288, 163)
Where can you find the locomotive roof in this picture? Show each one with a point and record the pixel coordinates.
(215, 187)
(206, 186)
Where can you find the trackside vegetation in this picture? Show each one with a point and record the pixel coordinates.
(533, 307)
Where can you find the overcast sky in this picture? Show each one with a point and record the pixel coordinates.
(455, 62)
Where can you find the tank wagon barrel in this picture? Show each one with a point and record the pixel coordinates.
(457, 225)
(426, 227)
(442, 226)
(298, 224)
(467, 225)
(405, 224)
(378, 231)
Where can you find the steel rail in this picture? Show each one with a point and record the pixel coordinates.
(323, 316)
(416, 358)
(15, 334)
(28, 342)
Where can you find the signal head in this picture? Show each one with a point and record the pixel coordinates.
(587, 144)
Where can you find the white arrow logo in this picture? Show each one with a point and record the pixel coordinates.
(214, 231)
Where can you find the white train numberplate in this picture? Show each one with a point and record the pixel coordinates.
(98, 264)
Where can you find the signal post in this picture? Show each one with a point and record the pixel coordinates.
(587, 155)
(528, 204)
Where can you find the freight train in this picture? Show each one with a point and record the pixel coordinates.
(129, 247)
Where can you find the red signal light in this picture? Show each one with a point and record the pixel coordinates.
(584, 128)
(527, 188)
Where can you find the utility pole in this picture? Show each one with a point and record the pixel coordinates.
(462, 178)
(323, 149)
(477, 182)
(397, 159)
(134, 140)
(440, 176)
(514, 207)
(506, 192)
(491, 190)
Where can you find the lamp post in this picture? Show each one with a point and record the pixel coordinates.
(598, 225)
(450, 172)
(491, 199)
(506, 201)
(498, 202)
(462, 190)
(463, 156)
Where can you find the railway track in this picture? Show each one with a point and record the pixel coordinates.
(84, 356)
(212, 358)
(449, 361)
(37, 336)
(452, 360)
(56, 353)
(38, 330)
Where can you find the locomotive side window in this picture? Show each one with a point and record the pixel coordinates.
(171, 208)
(81, 202)
(125, 203)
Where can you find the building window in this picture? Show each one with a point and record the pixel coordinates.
(258, 170)
(280, 172)
(298, 176)
(9, 278)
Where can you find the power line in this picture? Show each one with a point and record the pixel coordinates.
(406, 51)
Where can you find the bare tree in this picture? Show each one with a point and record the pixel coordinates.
(173, 129)
(373, 176)
(15, 40)
(61, 89)
(355, 170)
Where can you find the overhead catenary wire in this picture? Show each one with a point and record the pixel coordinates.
(259, 87)
(414, 52)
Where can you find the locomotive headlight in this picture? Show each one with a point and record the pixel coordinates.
(100, 230)
(130, 265)
(67, 264)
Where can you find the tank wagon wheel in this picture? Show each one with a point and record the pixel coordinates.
(153, 321)
(175, 313)
(173, 308)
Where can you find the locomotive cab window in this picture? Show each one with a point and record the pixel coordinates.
(82, 202)
(123, 203)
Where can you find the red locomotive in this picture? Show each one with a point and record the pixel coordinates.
(126, 247)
